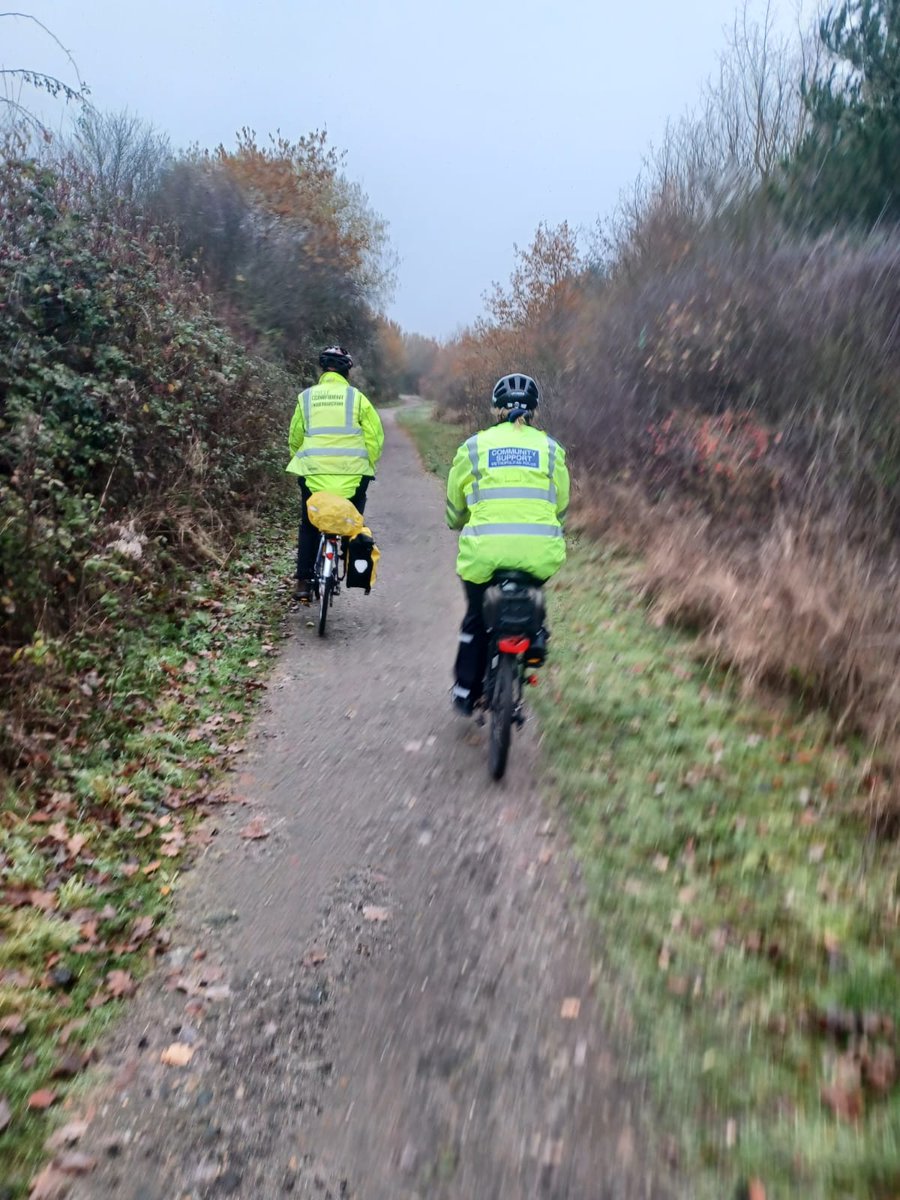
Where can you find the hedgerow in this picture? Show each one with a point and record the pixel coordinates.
(134, 431)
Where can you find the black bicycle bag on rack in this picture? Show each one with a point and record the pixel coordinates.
(361, 561)
(513, 605)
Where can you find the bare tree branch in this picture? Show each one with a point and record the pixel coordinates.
(49, 32)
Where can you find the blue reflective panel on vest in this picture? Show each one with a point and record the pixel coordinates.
(513, 456)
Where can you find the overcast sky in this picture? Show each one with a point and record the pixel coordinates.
(467, 123)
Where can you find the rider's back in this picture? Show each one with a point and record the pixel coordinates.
(509, 487)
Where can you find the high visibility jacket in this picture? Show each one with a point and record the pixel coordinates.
(507, 494)
(336, 436)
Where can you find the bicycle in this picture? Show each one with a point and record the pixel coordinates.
(330, 570)
(517, 642)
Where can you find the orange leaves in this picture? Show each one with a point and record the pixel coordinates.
(120, 983)
(299, 184)
(542, 284)
(177, 1055)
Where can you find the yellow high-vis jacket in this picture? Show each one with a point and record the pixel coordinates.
(507, 494)
(336, 436)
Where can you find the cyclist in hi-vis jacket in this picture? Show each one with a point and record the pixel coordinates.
(336, 439)
(507, 494)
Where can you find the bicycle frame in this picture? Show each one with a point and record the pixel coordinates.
(330, 563)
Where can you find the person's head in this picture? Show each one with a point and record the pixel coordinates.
(336, 358)
(516, 397)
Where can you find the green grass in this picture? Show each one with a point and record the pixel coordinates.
(737, 895)
(436, 441)
(172, 682)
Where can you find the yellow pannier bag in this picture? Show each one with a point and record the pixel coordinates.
(376, 554)
(334, 514)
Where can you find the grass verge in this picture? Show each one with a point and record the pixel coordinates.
(127, 732)
(747, 926)
(437, 441)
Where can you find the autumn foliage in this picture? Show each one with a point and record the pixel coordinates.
(723, 365)
(288, 247)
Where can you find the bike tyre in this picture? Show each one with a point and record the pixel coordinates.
(325, 591)
(501, 716)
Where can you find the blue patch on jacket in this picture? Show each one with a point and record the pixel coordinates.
(513, 456)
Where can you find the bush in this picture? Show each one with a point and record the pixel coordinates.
(123, 404)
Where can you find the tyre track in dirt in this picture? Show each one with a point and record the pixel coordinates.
(336, 1053)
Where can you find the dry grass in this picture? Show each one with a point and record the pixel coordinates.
(800, 609)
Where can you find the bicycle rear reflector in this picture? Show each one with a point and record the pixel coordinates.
(513, 645)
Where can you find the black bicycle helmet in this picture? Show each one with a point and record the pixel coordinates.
(335, 358)
(516, 391)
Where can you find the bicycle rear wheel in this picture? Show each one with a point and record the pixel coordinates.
(325, 590)
(501, 716)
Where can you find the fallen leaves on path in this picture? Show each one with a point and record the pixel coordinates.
(255, 830)
(571, 1007)
(219, 991)
(141, 929)
(75, 1162)
(179, 1054)
(54, 1182)
(372, 912)
(42, 1098)
(51, 1184)
(67, 1135)
(69, 1064)
(120, 983)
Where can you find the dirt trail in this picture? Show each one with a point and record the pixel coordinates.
(337, 1053)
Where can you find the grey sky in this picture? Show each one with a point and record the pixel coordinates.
(466, 123)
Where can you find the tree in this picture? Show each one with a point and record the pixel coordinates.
(716, 160)
(420, 355)
(280, 235)
(848, 169)
(124, 155)
(540, 279)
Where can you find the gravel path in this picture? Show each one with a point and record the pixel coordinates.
(388, 997)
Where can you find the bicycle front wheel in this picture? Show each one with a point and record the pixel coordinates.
(325, 590)
(501, 715)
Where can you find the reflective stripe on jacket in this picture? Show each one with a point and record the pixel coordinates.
(335, 431)
(507, 494)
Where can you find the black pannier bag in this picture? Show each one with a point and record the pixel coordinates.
(513, 605)
(359, 562)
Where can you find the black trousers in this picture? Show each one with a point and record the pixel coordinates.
(471, 657)
(308, 536)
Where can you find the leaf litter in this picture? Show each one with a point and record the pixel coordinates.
(104, 806)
